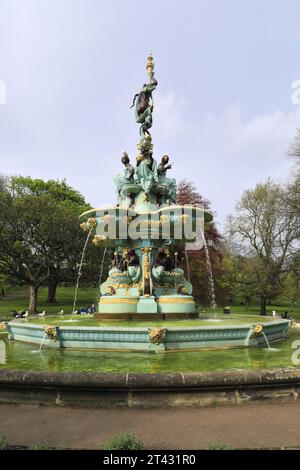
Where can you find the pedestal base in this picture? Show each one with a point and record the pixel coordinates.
(166, 306)
(176, 304)
(115, 304)
(147, 305)
(143, 317)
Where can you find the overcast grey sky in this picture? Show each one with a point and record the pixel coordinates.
(223, 109)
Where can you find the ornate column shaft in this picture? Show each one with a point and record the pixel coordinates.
(146, 266)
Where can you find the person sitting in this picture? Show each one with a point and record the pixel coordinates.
(226, 310)
(20, 314)
(82, 310)
(14, 314)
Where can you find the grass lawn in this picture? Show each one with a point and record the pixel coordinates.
(254, 310)
(18, 300)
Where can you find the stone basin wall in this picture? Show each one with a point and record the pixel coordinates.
(149, 339)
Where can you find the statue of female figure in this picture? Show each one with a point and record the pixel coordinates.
(146, 170)
(146, 174)
(143, 102)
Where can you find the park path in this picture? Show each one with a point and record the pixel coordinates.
(257, 425)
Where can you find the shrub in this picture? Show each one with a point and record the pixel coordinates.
(123, 441)
(39, 446)
(4, 445)
(218, 445)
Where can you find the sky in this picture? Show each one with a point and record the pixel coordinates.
(223, 106)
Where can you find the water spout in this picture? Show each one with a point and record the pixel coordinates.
(176, 257)
(80, 269)
(42, 342)
(210, 273)
(102, 265)
(187, 265)
(266, 339)
(41, 345)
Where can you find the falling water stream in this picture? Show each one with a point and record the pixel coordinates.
(42, 342)
(176, 257)
(266, 339)
(80, 269)
(187, 265)
(41, 345)
(102, 265)
(210, 273)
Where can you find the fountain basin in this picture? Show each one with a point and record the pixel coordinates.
(150, 339)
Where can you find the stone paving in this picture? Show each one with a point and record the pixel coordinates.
(259, 425)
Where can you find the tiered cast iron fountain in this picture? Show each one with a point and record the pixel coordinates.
(146, 233)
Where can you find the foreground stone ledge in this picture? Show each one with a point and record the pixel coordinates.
(144, 381)
(140, 390)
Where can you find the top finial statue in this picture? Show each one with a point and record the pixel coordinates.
(143, 102)
(150, 67)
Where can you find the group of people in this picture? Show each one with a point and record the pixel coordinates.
(19, 314)
(226, 310)
(84, 311)
(284, 315)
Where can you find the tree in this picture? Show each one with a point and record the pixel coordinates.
(293, 194)
(187, 194)
(67, 240)
(294, 149)
(40, 238)
(3, 183)
(27, 225)
(265, 229)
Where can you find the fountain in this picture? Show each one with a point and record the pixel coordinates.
(147, 234)
(80, 269)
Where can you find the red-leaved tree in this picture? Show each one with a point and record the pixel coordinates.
(199, 273)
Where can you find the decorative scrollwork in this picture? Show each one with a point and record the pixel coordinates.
(110, 290)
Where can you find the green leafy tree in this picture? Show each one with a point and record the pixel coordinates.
(3, 183)
(265, 229)
(66, 242)
(40, 238)
(27, 225)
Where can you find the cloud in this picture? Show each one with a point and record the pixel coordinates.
(170, 121)
(245, 153)
(224, 154)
